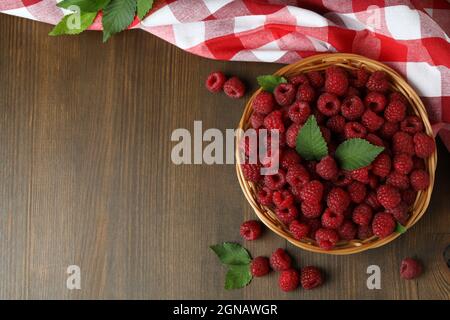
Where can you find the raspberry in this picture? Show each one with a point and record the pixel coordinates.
(398, 96)
(362, 215)
(373, 181)
(298, 229)
(381, 166)
(305, 93)
(336, 123)
(409, 196)
(410, 269)
(400, 213)
(352, 108)
(251, 172)
(315, 79)
(372, 200)
(423, 145)
(403, 163)
(284, 94)
(375, 101)
(395, 111)
(347, 230)
(402, 143)
(289, 280)
(338, 200)
(263, 102)
(360, 77)
(326, 133)
(275, 181)
(352, 91)
(312, 192)
(274, 121)
(234, 88)
(326, 238)
(314, 225)
(375, 140)
(291, 134)
(259, 266)
(388, 196)
(283, 199)
(320, 117)
(336, 80)
(378, 82)
(361, 174)
(257, 120)
(310, 277)
(372, 121)
(331, 220)
(264, 196)
(328, 104)
(299, 112)
(214, 82)
(311, 210)
(327, 168)
(419, 179)
(299, 79)
(250, 230)
(357, 191)
(289, 158)
(383, 224)
(297, 176)
(388, 129)
(398, 180)
(364, 232)
(411, 124)
(354, 130)
(280, 260)
(287, 215)
(343, 179)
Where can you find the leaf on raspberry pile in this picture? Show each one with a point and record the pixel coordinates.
(269, 82)
(356, 153)
(310, 143)
(238, 277)
(231, 253)
(400, 229)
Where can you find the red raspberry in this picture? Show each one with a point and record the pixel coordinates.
(352, 108)
(357, 191)
(264, 196)
(299, 112)
(398, 180)
(375, 101)
(354, 130)
(352, 91)
(360, 77)
(419, 179)
(289, 280)
(274, 121)
(388, 196)
(388, 129)
(398, 96)
(251, 172)
(400, 213)
(234, 88)
(251, 230)
(347, 230)
(364, 232)
(411, 124)
(402, 143)
(381, 166)
(395, 111)
(314, 225)
(284, 94)
(287, 215)
(280, 260)
(328, 104)
(336, 80)
(409, 196)
(378, 81)
(327, 168)
(299, 230)
(289, 158)
(312, 192)
(410, 269)
(343, 179)
(362, 214)
(310, 277)
(424, 145)
(331, 220)
(383, 224)
(403, 163)
(298, 79)
(326, 134)
(263, 102)
(259, 266)
(275, 181)
(372, 121)
(418, 163)
(311, 210)
(361, 174)
(257, 120)
(291, 134)
(338, 200)
(283, 199)
(305, 93)
(214, 82)
(297, 176)
(375, 140)
(336, 123)
(326, 238)
(316, 79)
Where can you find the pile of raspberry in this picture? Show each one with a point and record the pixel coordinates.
(319, 200)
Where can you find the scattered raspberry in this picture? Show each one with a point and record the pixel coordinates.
(375, 140)
(280, 260)
(402, 143)
(361, 174)
(364, 232)
(251, 172)
(336, 80)
(372, 200)
(283, 199)
(298, 229)
(375, 101)
(400, 213)
(234, 88)
(291, 134)
(263, 102)
(411, 124)
(214, 82)
(381, 166)
(250, 230)
(354, 130)
(419, 179)
(257, 120)
(305, 93)
(311, 210)
(398, 180)
(287, 215)
(312, 192)
(259, 266)
(310, 277)
(338, 200)
(331, 220)
(336, 123)
(347, 230)
(326, 238)
(299, 112)
(264, 196)
(327, 168)
(284, 94)
(424, 145)
(395, 111)
(403, 163)
(383, 224)
(388, 129)
(360, 77)
(388, 196)
(352, 108)
(410, 268)
(275, 181)
(297, 176)
(362, 215)
(315, 79)
(328, 104)
(378, 82)
(409, 196)
(289, 158)
(289, 280)
(357, 191)
(298, 80)
(274, 121)
(372, 121)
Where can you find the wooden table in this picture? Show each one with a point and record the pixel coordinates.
(87, 180)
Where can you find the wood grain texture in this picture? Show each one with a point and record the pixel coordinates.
(87, 179)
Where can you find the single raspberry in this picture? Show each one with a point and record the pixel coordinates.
(409, 196)
(360, 77)
(418, 163)
(311, 277)
(214, 82)
(328, 104)
(388, 196)
(289, 158)
(372, 200)
(383, 224)
(338, 200)
(292, 133)
(305, 93)
(361, 175)
(316, 79)
(398, 96)
(424, 145)
(398, 180)
(378, 81)
(326, 238)
(299, 112)
(410, 269)
(364, 232)
(403, 163)
(275, 181)
(312, 192)
(299, 230)
(287, 215)
(274, 121)
(372, 121)
(357, 191)
(362, 214)
(263, 102)
(352, 91)
(402, 143)
(400, 213)
(250, 230)
(264, 196)
(336, 123)
(354, 130)
(381, 166)
(336, 80)
(375, 101)
(284, 94)
(311, 210)
(298, 80)
(388, 129)
(419, 179)
(411, 124)
(347, 230)
(395, 111)
(251, 172)
(297, 176)
(373, 181)
(283, 199)
(289, 280)
(259, 266)
(280, 260)
(327, 168)
(343, 179)
(331, 220)
(257, 120)
(375, 140)
(352, 108)
(234, 88)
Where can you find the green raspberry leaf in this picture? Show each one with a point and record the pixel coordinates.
(117, 16)
(269, 82)
(238, 277)
(310, 143)
(232, 254)
(400, 229)
(74, 23)
(356, 153)
(84, 5)
(143, 7)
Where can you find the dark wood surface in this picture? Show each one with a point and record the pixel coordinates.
(87, 179)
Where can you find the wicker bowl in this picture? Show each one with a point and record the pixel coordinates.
(347, 61)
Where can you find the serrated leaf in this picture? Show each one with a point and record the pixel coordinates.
(117, 16)
(74, 23)
(269, 82)
(84, 5)
(231, 253)
(238, 277)
(310, 143)
(143, 7)
(356, 153)
(400, 229)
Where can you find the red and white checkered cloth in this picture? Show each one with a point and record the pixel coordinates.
(410, 36)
